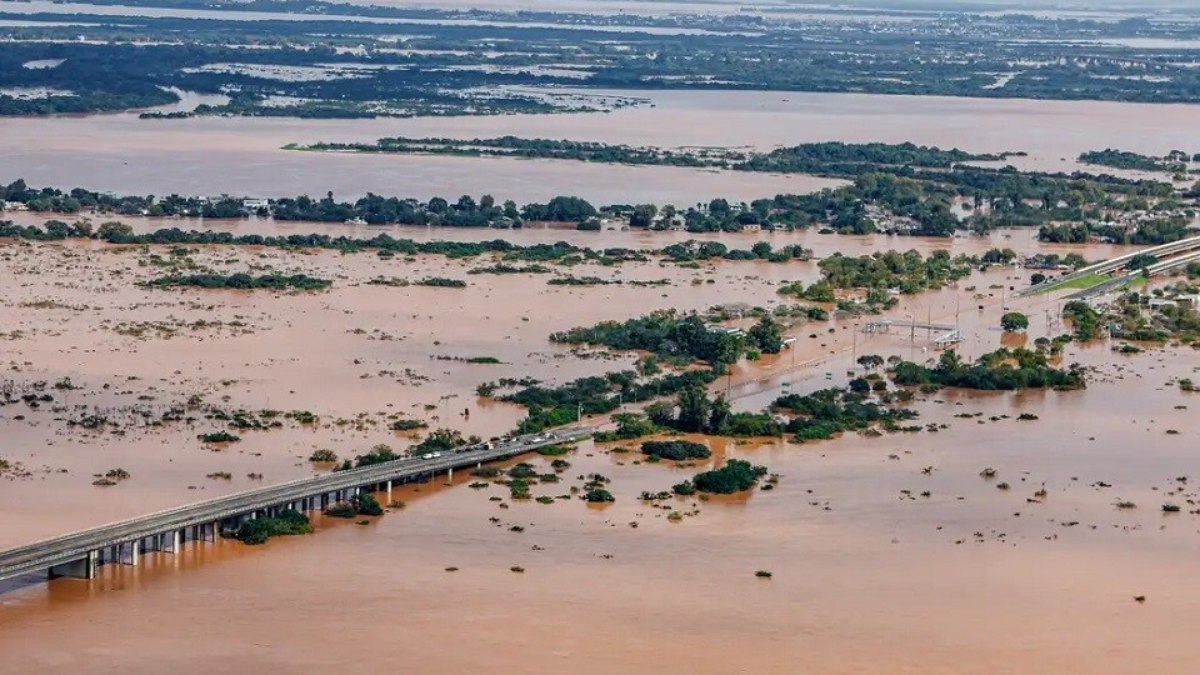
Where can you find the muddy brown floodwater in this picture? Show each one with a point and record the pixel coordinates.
(242, 156)
(870, 575)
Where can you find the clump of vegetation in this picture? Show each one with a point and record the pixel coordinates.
(1014, 321)
(684, 489)
(302, 417)
(1171, 508)
(679, 337)
(218, 437)
(1083, 318)
(763, 574)
(341, 510)
(366, 505)
(408, 425)
(676, 450)
(736, 476)
(518, 488)
(442, 282)
(241, 281)
(522, 470)
(323, 456)
(629, 426)
(377, 455)
(259, 530)
(1003, 369)
(557, 406)
(827, 412)
(598, 495)
(361, 504)
(906, 272)
(220, 475)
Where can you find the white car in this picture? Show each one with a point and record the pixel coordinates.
(435, 454)
(428, 455)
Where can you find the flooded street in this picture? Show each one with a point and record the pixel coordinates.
(868, 576)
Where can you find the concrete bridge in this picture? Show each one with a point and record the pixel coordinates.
(79, 554)
(1187, 250)
(1120, 283)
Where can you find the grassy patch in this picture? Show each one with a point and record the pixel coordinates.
(1081, 283)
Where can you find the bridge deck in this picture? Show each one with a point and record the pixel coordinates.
(1113, 264)
(44, 554)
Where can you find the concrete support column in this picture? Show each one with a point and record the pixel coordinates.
(450, 474)
(389, 491)
(84, 568)
(135, 550)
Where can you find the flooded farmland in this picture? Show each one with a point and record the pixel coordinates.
(871, 554)
(243, 156)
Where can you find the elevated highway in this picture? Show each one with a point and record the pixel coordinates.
(1183, 246)
(1118, 283)
(79, 554)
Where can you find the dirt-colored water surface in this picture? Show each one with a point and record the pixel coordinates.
(243, 156)
(869, 573)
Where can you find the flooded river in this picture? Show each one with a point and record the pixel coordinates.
(888, 554)
(242, 156)
(868, 575)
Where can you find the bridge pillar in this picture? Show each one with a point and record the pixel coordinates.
(389, 491)
(84, 568)
(135, 550)
(450, 474)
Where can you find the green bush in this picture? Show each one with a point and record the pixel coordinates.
(686, 488)
(218, 437)
(736, 476)
(599, 495)
(288, 522)
(676, 450)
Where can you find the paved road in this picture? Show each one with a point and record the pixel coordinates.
(39, 556)
(1122, 282)
(1112, 264)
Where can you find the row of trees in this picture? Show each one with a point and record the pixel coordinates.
(1004, 369)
